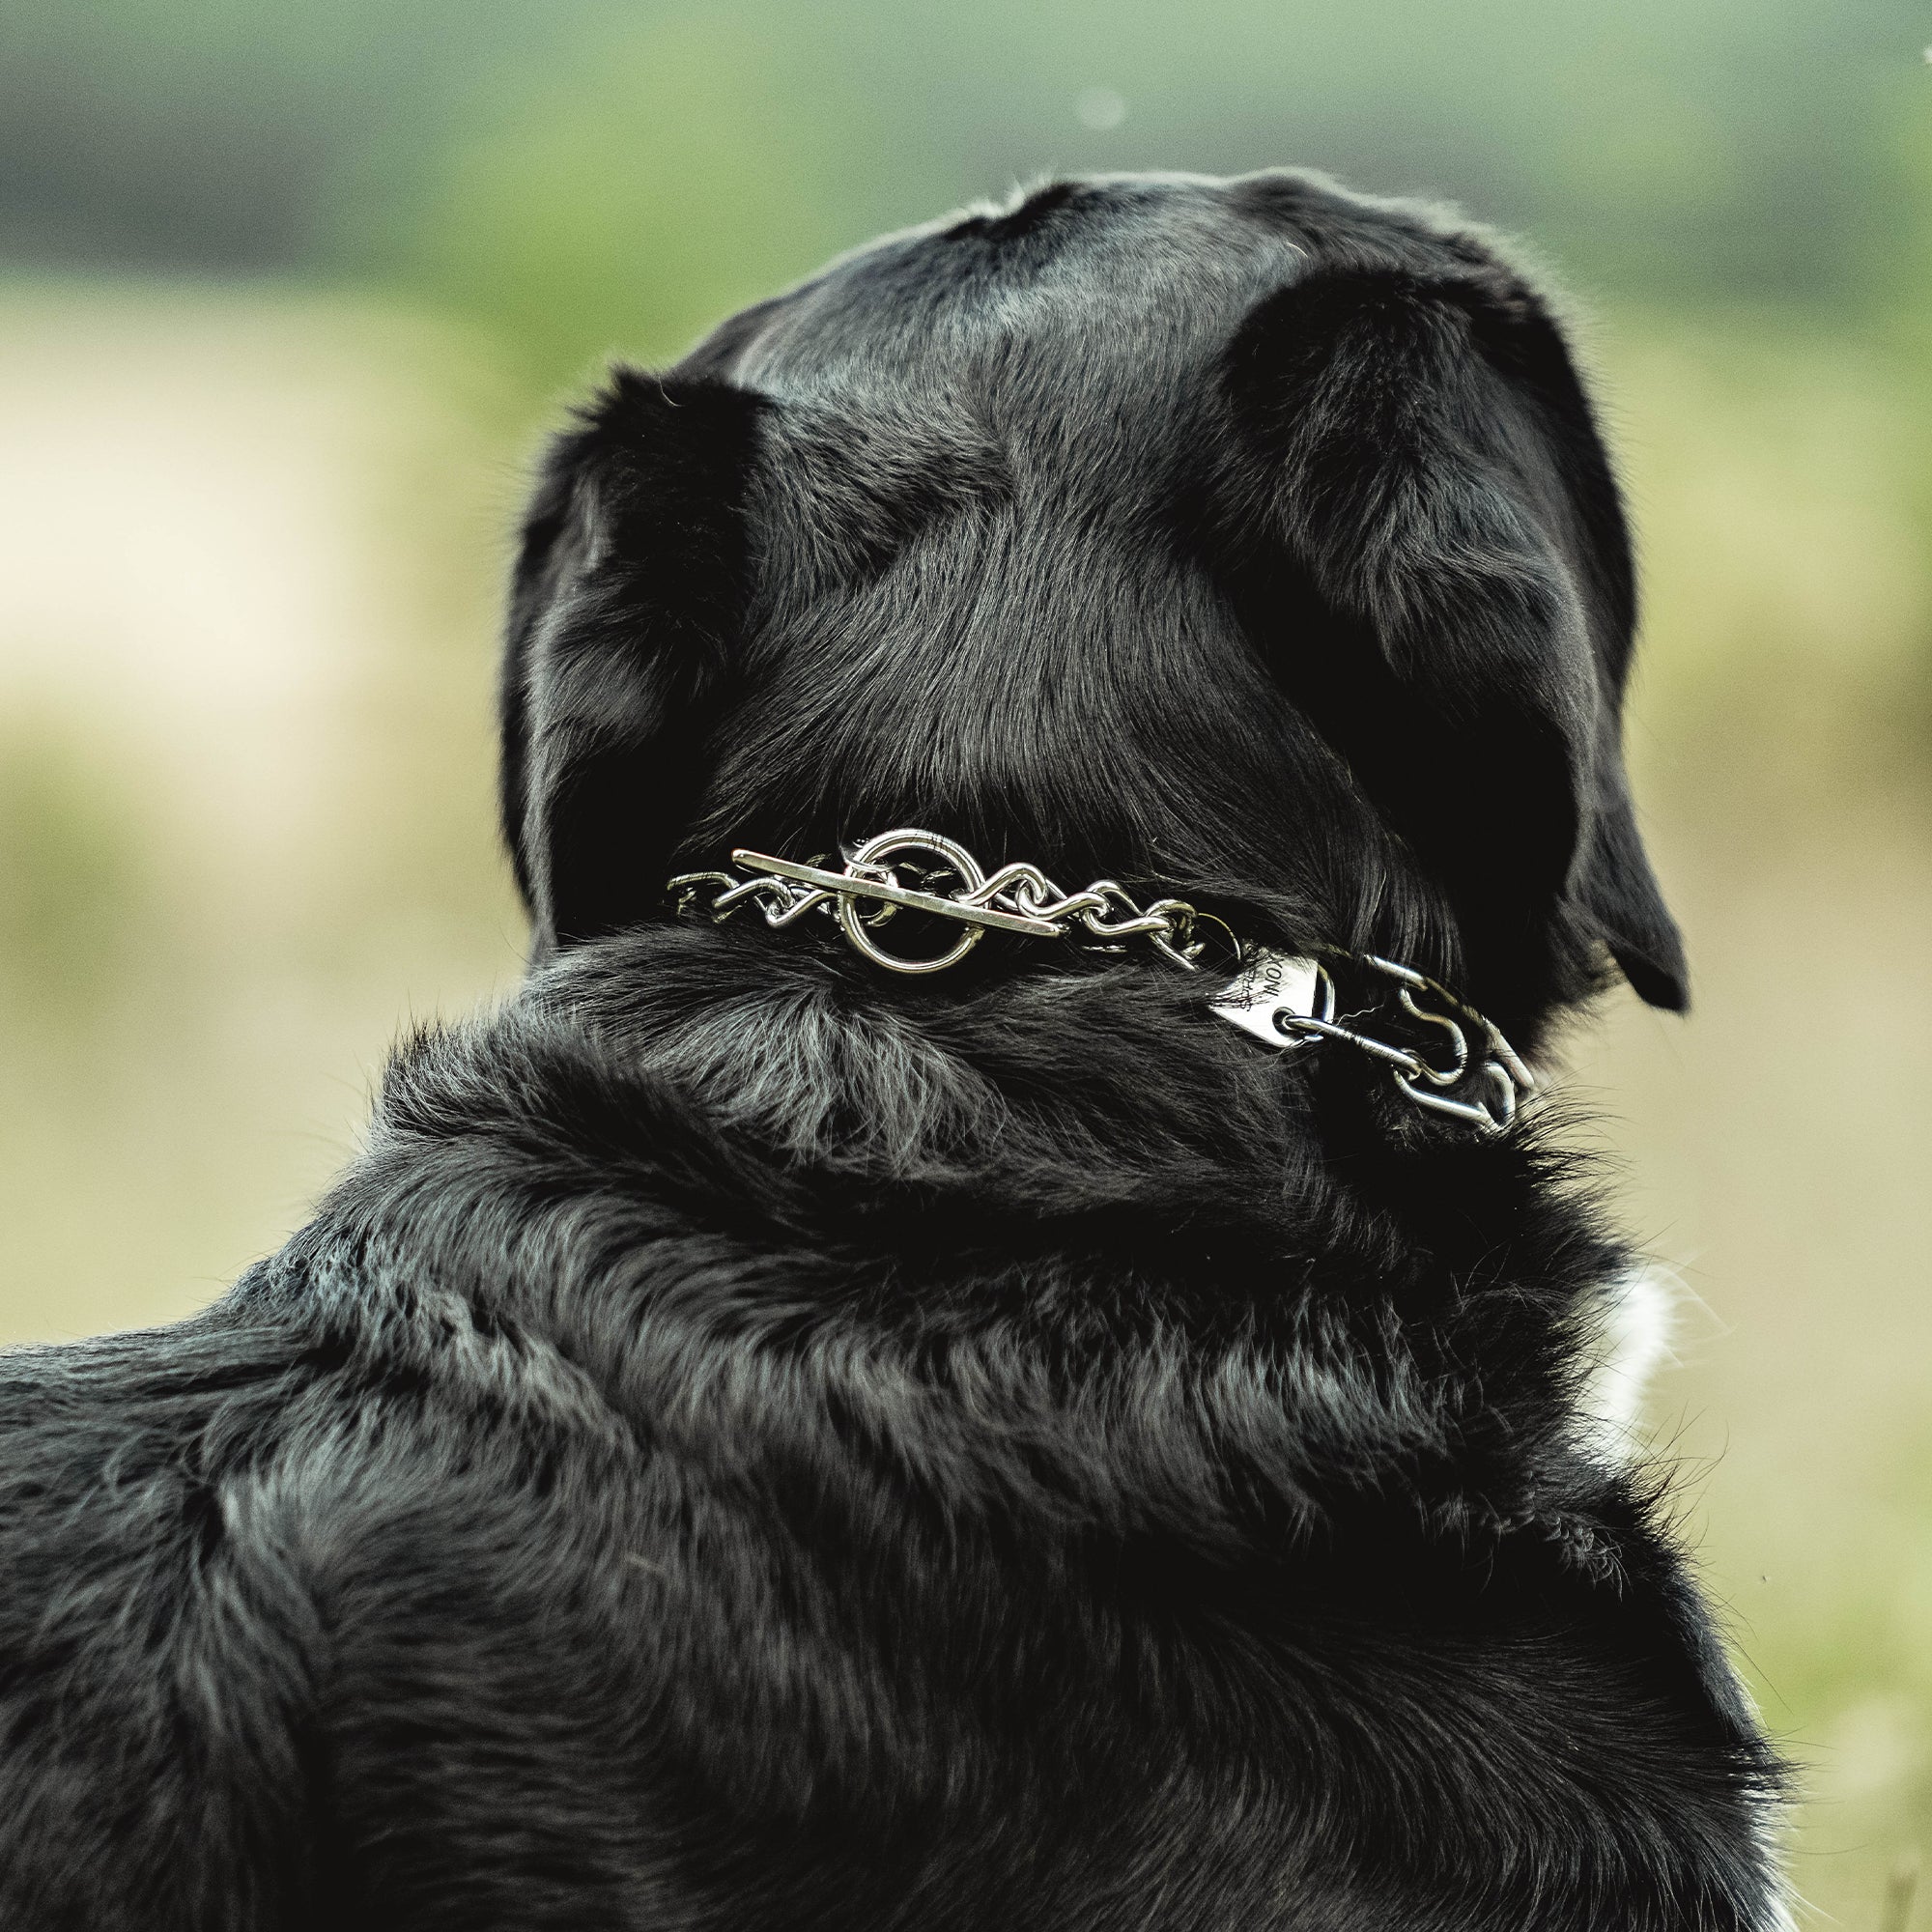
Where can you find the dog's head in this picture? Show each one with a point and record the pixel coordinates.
(1247, 536)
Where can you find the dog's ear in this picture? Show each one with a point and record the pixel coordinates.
(1450, 597)
(626, 596)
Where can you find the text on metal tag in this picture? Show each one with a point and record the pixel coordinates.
(1272, 984)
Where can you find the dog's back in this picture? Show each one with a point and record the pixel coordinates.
(760, 1442)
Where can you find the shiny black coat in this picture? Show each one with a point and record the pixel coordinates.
(753, 1444)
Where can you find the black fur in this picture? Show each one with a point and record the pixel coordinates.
(758, 1444)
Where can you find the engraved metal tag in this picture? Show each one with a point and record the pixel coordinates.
(1276, 982)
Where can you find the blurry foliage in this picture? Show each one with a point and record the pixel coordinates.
(224, 135)
(627, 201)
(1699, 150)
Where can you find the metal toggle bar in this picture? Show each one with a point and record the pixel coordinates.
(845, 885)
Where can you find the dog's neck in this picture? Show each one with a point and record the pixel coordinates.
(1442, 1055)
(1069, 1147)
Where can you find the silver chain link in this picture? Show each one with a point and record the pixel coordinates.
(1021, 897)
(1016, 899)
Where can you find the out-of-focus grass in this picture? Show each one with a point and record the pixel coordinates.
(247, 614)
(247, 599)
(71, 875)
(1776, 1147)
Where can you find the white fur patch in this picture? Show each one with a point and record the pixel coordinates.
(1628, 1342)
(1783, 1919)
(1634, 1319)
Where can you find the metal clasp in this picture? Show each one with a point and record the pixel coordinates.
(1290, 1001)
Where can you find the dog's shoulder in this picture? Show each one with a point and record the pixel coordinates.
(615, 1424)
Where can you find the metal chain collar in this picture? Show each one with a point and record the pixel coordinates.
(1016, 899)
(1287, 1002)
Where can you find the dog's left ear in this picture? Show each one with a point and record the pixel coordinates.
(625, 601)
(1453, 601)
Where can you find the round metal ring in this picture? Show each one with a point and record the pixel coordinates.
(851, 921)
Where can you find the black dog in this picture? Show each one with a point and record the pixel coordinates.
(759, 1441)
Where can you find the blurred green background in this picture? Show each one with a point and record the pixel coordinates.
(287, 288)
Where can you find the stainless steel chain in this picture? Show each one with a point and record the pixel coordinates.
(1286, 1001)
(1016, 899)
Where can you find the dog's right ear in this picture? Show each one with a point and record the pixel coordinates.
(627, 594)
